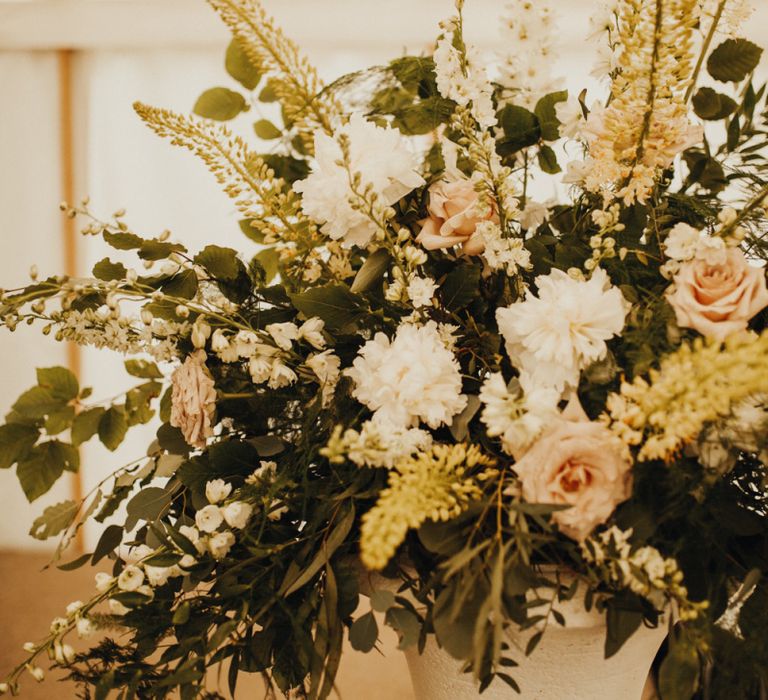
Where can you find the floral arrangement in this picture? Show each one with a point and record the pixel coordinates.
(425, 374)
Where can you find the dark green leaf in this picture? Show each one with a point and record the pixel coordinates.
(334, 303)
(143, 369)
(521, 129)
(54, 519)
(220, 103)
(182, 613)
(251, 231)
(59, 381)
(221, 263)
(460, 287)
(37, 402)
(545, 111)
(679, 673)
(74, 564)
(239, 66)
(548, 160)
(269, 259)
(406, 624)
(109, 541)
(182, 285)
(364, 633)
(113, 426)
(43, 466)
(733, 60)
(712, 105)
(107, 270)
(16, 439)
(266, 130)
(382, 600)
(622, 622)
(159, 250)
(122, 240)
(371, 272)
(86, 424)
(149, 504)
(59, 421)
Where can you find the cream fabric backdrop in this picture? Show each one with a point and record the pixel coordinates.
(119, 163)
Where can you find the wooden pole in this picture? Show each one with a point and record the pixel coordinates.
(69, 228)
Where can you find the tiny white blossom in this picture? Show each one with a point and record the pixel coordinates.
(209, 518)
(130, 579)
(37, 673)
(85, 627)
(681, 242)
(266, 470)
(217, 490)
(281, 375)
(283, 334)
(260, 369)
(312, 331)
(117, 608)
(103, 581)
(327, 368)
(74, 606)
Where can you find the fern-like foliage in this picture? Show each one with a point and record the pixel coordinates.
(292, 77)
(273, 208)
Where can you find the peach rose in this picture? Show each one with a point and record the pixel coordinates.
(580, 464)
(453, 217)
(717, 300)
(193, 400)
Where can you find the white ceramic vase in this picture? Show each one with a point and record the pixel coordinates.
(568, 664)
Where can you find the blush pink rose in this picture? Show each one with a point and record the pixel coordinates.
(453, 217)
(193, 400)
(717, 300)
(577, 463)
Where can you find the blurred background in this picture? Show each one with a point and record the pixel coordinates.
(69, 72)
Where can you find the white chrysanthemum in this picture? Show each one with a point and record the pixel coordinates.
(552, 337)
(383, 159)
(421, 290)
(516, 417)
(413, 377)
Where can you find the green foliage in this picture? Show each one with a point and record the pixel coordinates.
(545, 111)
(460, 287)
(54, 519)
(239, 66)
(335, 304)
(733, 60)
(712, 105)
(521, 129)
(266, 130)
(221, 104)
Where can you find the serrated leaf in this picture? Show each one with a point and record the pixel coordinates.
(733, 60)
(221, 263)
(113, 426)
(59, 381)
(371, 272)
(122, 240)
(16, 440)
(266, 130)
(460, 287)
(183, 285)
(334, 303)
(239, 66)
(37, 402)
(107, 270)
(545, 111)
(220, 103)
(54, 519)
(143, 369)
(159, 250)
(364, 633)
(86, 424)
(43, 466)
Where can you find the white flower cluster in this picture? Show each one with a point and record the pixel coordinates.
(527, 31)
(517, 418)
(734, 14)
(508, 254)
(553, 337)
(380, 154)
(462, 77)
(376, 444)
(413, 377)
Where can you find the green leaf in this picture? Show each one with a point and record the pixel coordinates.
(269, 259)
(548, 160)
(148, 504)
(221, 263)
(182, 613)
(59, 381)
(623, 621)
(268, 93)
(43, 466)
(109, 541)
(521, 129)
(334, 303)
(54, 519)
(266, 130)
(251, 231)
(86, 424)
(107, 270)
(406, 624)
(460, 425)
(122, 240)
(183, 285)
(364, 633)
(382, 600)
(37, 402)
(545, 111)
(143, 369)
(460, 287)
(733, 60)
(58, 421)
(113, 426)
(16, 440)
(679, 672)
(371, 272)
(239, 66)
(220, 103)
(712, 105)
(159, 250)
(74, 564)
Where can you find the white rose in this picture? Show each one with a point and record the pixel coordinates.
(209, 518)
(217, 490)
(220, 544)
(237, 514)
(130, 579)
